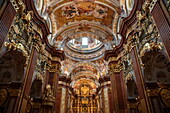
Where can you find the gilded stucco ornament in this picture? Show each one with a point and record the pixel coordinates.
(139, 107)
(14, 92)
(21, 32)
(38, 76)
(16, 46)
(115, 68)
(144, 36)
(3, 95)
(29, 107)
(132, 105)
(165, 96)
(146, 32)
(127, 66)
(54, 68)
(129, 77)
(152, 92)
(131, 43)
(41, 64)
(152, 46)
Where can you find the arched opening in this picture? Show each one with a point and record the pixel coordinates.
(36, 89)
(132, 89)
(12, 66)
(156, 67)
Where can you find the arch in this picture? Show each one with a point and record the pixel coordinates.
(36, 89)
(83, 64)
(132, 90)
(39, 5)
(114, 7)
(156, 67)
(92, 83)
(12, 65)
(69, 30)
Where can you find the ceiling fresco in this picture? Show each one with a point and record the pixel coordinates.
(84, 30)
(84, 11)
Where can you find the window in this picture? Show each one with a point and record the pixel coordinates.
(85, 41)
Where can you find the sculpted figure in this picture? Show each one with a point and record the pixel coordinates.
(48, 95)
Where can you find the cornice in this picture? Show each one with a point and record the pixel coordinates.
(37, 19)
(131, 19)
(41, 23)
(64, 79)
(110, 53)
(126, 23)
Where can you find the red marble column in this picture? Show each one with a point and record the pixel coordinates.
(139, 81)
(110, 99)
(56, 91)
(124, 93)
(114, 93)
(27, 81)
(58, 99)
(118, 90)
(162, 20)
(122, 105)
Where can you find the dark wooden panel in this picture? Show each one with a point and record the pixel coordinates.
(6, 22)
(162, 25)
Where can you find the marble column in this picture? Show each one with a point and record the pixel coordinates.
(106, 99)
(27, 81)
(117, 84)
(63, 100)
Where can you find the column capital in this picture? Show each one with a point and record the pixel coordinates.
(115, 68)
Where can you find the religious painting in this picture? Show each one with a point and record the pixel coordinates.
(84, 11)
(84, 8)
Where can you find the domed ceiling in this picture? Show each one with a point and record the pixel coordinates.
(84, 30)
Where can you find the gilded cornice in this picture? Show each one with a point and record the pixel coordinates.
(56, 59)
(14, 92)
(152, 92)
(105, 83)
(132, 105)
(117, 58)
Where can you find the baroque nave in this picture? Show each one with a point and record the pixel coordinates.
(84, 56)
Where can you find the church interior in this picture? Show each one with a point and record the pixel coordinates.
(84, 56)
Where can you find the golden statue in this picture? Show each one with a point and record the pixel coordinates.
(165, 96)
(84, 90)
